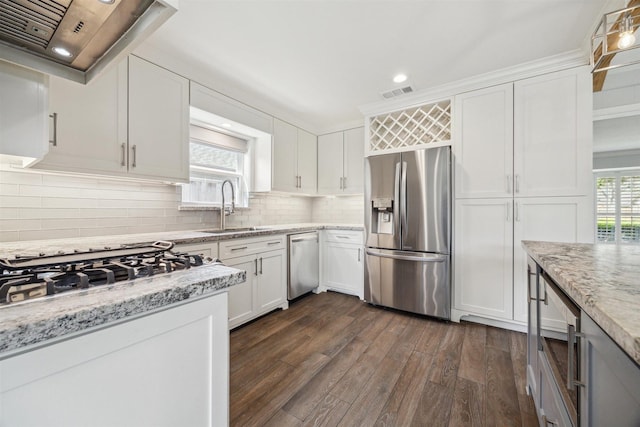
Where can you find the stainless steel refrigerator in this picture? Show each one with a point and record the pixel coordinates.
(408, 231)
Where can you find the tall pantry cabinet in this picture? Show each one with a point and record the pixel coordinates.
(522, 172)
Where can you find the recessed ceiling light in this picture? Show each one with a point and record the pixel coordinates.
(107, 1)
(62, 51)
(399, 78)
(226, 125)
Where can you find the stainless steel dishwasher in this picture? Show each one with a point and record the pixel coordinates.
(303, 274)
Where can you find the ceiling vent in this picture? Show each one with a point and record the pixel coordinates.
(397, 92)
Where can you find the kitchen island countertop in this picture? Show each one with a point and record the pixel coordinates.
(603, 280)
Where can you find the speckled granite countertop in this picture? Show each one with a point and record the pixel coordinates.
(50, 247)
(32, 322)
(603, 280)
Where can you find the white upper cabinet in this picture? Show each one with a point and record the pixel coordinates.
(158, 122)
(484, 142)
(132, 120)
(341, 162)
(90, 125)
(294, 159)
(23, 111)
(553, 134)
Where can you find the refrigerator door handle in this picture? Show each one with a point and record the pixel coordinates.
(403, 198)
(404, 257)
(397, 210)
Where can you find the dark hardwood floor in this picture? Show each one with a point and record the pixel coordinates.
(332, 360)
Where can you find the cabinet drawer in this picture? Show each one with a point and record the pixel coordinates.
(239, 247)
(344, 236)
(203, 249)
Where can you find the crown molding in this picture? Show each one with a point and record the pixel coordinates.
(571, 59)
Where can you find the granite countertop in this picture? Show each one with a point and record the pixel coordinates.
(603, 280)
(31, 322)
(49, 247)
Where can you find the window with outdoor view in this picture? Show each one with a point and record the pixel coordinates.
(618, 207)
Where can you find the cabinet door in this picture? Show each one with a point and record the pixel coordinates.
(330, 163)
(91, 124)
(483, 147)
(271, 288)
(307, 162)
(552, 134)
(158, 122)
(343, 269)
(483, 257)
(23, 111)
(551, 219)
(242, 296)
(354, 161)
(285, 155)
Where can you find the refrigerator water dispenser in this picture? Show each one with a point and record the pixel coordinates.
(382, 215)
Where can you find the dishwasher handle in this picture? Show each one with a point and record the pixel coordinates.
(305, 238)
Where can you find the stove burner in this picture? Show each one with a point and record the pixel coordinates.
(32, 277)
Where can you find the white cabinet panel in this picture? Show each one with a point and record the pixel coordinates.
(272, 278)
(354, 161)
(158, 122)
(23, 111)
(294, 159)
(330, 166)
(483, 147)
(241, 296)
(552, 219)
(342, 262)
(203, 249)
(165, 369)
(552, 134)
(341, 162)
(307, 164)
(483, 254)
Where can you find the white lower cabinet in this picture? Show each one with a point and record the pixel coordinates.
(342, 262)
(265, 261)
(490, 266)
(169, 368)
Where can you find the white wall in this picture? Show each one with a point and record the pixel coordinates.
(37, 205)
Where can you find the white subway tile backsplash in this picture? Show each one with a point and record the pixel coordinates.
(36, 205)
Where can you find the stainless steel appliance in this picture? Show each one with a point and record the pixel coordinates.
(28, 277)
(75, 39)
(303, 274)
(408, 231)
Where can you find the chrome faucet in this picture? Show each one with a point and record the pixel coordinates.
(223, 210)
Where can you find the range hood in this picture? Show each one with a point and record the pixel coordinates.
(76, 39)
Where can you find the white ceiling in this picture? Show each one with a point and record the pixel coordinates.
(316, 61)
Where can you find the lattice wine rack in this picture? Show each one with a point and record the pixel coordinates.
(421, 125)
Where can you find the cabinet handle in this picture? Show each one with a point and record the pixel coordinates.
(123, 150)
(342, 237)
(273, 243)
(300, 181)
(517, 183)
(256, 270)
(359, 254)
(530, 275)
(238, 249)
(516, 211)
(344, 182)
(134, 150)
(509, 184)
(546, 421)
(54, 141)
(572, 382)
(341, 182)
(260, 265)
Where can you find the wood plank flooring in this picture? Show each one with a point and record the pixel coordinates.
(332, 360)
